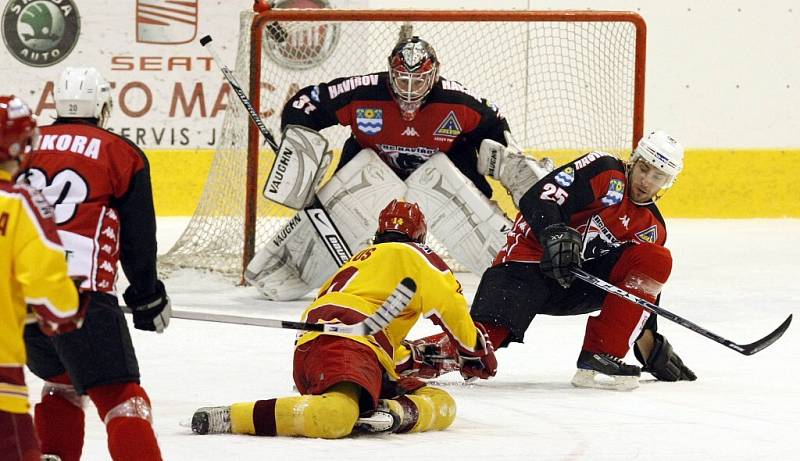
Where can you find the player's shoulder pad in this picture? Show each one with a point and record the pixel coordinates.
(657, 213)
(450, 91)
(35, 199)
(136, 149)
(373, 86)
(42, 211)
(427, 254)
(596, 162)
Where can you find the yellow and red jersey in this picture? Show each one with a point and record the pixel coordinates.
(33, 270)
(362, 284)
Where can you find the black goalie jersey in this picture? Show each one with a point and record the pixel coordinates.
(452, 120)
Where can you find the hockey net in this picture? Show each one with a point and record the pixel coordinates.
(567, 81)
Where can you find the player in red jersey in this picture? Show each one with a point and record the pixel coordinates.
(99, 186)
(414, 135)
(598, 213)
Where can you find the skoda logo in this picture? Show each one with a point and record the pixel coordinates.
(40, 33)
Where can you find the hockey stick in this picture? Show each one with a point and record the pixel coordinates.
(746, 349)
(391, 308)
(316, 213)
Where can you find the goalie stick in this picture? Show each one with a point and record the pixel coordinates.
(316, 213)
(746, 349)
(391, 308)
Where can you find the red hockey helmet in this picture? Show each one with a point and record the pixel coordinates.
(17, 128)
(404, 218)
(413, 70)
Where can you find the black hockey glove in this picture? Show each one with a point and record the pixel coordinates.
(562, 252)
(663, 362)
(151, 312)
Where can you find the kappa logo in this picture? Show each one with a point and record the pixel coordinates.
(649, 235)
(625, 220)
(410, 131)
(166, 21)
(449, 128)
(41, 33)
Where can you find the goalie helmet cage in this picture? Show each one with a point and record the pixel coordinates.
(566, 81)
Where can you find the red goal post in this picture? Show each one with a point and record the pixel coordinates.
(567, 81)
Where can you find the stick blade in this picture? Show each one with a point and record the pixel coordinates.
(205, 40)
(766, 341)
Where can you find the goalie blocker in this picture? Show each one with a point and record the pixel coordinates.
(300, 164)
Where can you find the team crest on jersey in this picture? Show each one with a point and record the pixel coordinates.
(449, 128)
(616, 188)
(565, 177)
(369, 121)
(649, 235)
(597, 239)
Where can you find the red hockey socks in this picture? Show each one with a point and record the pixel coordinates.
(59, 419)
(17, 438)
(497, 334)
(641, 270)
(125, 408)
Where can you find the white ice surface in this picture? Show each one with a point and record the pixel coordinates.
(738, 279)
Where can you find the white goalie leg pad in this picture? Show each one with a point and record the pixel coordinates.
(300, 165)
(356, 194)
(296, 260)
(470, 226)
(516, 171)
(292, 263)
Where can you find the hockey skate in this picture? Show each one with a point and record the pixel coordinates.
(212, 420)
(382, 419)
(604, 371)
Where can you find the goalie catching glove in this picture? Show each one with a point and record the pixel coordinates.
(152, 311)
(663, 362)
(298, 169)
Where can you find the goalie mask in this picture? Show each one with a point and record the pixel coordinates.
(82, 92)
(656, 162)
(413, 70)
(401, 218)
(18, 132)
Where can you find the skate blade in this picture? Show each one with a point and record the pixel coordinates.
(376, 423)
(595, 380)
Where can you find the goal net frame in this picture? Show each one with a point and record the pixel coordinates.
(258, 51)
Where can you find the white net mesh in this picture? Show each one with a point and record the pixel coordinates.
(563, 86)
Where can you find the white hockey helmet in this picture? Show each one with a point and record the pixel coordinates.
(663, 152)
(81, 92)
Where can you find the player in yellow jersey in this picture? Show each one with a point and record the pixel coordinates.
(33, 278)
(349, 382)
